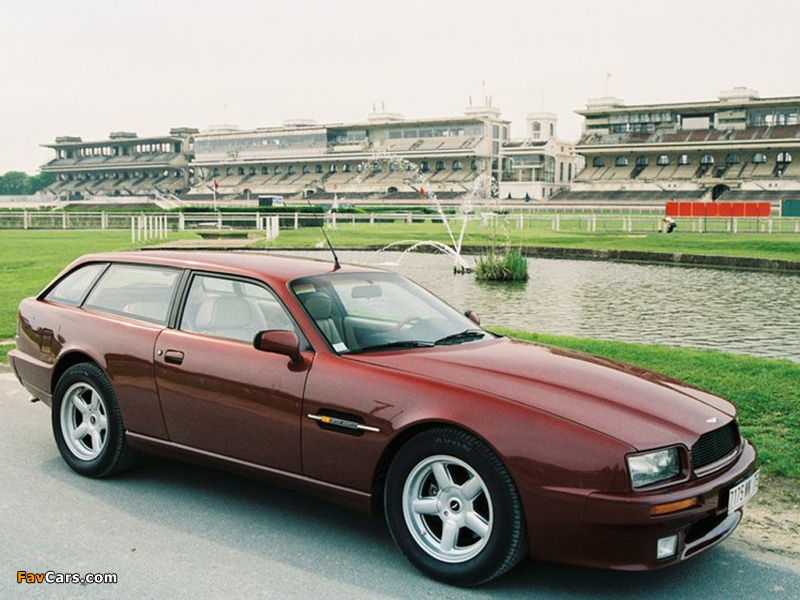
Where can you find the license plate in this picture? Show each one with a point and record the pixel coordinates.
(739, 495)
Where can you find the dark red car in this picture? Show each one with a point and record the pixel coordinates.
(358, 385)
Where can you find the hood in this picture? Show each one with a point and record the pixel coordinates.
(633, 405)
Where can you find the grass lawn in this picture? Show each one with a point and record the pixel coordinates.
(775, 246)
(30, 259)
(765, 391)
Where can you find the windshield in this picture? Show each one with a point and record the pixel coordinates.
(367, 312)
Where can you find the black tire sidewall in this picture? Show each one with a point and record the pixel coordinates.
(507, 540)
(108, 458)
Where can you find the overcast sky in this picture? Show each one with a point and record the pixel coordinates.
(89, 67)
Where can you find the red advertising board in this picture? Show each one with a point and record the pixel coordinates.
(718, 209)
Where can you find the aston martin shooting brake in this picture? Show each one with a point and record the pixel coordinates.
(358, 385)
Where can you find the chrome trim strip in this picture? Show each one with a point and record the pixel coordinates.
(344, 423)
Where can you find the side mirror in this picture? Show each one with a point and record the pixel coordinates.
(473, 316)
(279, 341)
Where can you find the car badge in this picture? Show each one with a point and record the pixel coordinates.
(711, 420)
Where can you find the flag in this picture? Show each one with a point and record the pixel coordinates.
(421, 192)
(216, 184)
(527, 197)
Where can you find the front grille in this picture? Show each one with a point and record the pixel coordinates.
(715, 445)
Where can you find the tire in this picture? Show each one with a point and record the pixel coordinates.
(453, 509)
(87, 424)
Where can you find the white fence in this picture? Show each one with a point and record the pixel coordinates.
(145, 226)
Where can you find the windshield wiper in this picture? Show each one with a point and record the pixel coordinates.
(461, 336)
(396, 344)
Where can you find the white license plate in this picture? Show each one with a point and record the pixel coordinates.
(739, 495)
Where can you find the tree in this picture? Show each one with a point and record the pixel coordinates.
(17, 183)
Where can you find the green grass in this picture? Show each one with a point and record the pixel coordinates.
(766, 391)
(775, 246)
(30, 259)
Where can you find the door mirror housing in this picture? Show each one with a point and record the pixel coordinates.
(473, 316)
(279, 341)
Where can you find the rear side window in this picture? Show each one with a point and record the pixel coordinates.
(138, 291)
(73, 288)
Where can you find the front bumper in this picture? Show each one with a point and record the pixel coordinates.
(618, 531)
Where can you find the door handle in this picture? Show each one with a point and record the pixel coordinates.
(173, 356)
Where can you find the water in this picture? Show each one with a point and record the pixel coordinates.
(733, 311)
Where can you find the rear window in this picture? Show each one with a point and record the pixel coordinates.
(138, 291)
(73, 288)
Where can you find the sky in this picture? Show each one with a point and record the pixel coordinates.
(89, 67)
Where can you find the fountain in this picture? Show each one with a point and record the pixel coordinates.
(478, 195)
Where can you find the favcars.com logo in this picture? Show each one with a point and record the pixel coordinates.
(53, 577)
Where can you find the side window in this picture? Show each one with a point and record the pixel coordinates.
(136, 291)
(73, 288)
(232, 309)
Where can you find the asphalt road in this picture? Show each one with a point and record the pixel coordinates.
(171, 530)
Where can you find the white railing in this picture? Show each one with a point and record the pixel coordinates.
(145, 226)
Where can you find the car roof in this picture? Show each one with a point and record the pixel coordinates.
(260, 265)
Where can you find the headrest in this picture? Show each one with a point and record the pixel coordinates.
(318, 305)
(223, 313)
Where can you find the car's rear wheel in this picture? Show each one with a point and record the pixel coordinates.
(87, 423)
(453, 508)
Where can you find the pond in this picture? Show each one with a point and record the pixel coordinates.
(744, 312)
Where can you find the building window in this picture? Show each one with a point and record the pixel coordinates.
(662, 160)
(784, 158)
(291, 170)
(598, 162)
(346, 168)
(552, 130)
(621, 161)
(265, 170)
(706, 159)
(440, 165)
(278, 170)
(569, 171)
(759, 158)
(425, 166)
(456, 165)
(732, 159)
(318, 169)
(683, 159)
(642, 161)
(306, 169)
(229, 171)
(473, 165)
(241, 171)
(332, 168)
(252, 170)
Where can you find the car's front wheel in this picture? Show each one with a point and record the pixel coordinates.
(87, 423)
(453, 508)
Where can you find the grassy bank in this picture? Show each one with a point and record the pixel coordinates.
(30, 259)
(779, 247)
(765, 391)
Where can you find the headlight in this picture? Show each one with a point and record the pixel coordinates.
(653, 467)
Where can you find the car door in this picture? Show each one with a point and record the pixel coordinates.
(218, 392)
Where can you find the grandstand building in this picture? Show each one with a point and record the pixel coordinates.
(385, 156)
(123, 165)
(739, 147)
(539, 165)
